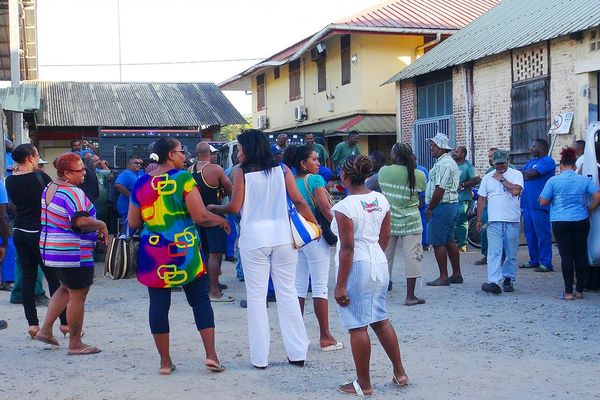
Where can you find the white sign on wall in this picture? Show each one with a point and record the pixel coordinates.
(561, 123)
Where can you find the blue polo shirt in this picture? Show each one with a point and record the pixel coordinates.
(545, 166)
(127, 178)
(567, 195)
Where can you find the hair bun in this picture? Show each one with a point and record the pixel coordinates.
(153, 157)
(363, 165)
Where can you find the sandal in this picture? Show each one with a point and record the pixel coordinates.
(563, 296)
(357, 389)
(85, 351)
(403, 382)
(214, 366)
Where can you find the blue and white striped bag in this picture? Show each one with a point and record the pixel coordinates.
(303, 231)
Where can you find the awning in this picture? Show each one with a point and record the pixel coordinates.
(363, 124)
(20, 99)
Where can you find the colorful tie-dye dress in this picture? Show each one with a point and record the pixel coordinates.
(169, 252)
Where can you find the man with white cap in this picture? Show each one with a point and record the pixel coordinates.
(441, 195)
(501, 188)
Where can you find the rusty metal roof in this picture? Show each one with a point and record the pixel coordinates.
(432, 14)
(134, 105)
(510, 25)
(391, 17)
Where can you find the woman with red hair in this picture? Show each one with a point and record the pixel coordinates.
(569, 213)
(69, 231)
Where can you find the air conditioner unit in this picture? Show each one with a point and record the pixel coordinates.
(262, 122)
(300, 113)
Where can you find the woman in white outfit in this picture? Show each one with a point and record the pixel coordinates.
(313, 259)
(362, 224)
(266, 246)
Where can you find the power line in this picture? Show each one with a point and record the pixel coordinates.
(153, 63)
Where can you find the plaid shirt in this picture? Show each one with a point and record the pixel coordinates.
(446, 175)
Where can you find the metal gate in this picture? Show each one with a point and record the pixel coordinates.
(427, 128)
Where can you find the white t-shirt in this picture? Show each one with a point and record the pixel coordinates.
(367, 212)
(502, 205)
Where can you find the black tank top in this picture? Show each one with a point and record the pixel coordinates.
(210, 194)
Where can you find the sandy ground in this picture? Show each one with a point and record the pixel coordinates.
(463, 344)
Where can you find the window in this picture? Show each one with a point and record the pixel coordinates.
(294, 67)
(260, 92)
(434, 95)
(321, 75)
(276, 73)
(345, 56)
(595, 40)
(529, 117)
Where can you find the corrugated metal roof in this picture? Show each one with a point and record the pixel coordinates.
(142, 105)
(361, 123)
(392, 17)
(510, 25)
(433, 14)
(20, 99)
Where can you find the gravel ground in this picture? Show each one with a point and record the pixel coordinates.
(463, 343)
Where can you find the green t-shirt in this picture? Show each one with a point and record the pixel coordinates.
(467, 172)
(322, 153)
(404, 208)
(314, 182)
(343, 151)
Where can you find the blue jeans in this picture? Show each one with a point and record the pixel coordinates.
(232, 237)
(502, 236)
(538, 233)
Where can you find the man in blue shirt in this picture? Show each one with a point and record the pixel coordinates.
(125, 183)
(83, 147)
(536, 217)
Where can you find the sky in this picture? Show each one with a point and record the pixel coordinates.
(174, 40)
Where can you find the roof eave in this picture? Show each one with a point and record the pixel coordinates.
(319, 36)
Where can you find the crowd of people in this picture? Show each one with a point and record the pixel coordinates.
(190, 216)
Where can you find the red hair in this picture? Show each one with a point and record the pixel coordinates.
(66, 162)
(568, 156)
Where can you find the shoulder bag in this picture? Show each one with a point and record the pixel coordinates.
(303, 231)
(328, 235)
(121, 255)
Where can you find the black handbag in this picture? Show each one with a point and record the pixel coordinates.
(326, 232)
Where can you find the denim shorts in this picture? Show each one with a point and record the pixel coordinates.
(442, 224)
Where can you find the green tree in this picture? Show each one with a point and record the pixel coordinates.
(230, 132)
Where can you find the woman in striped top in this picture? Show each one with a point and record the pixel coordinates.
(69, 231)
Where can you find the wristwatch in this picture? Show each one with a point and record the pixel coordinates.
(502, 180)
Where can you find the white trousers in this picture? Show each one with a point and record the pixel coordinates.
(280, 262)
(313, 262)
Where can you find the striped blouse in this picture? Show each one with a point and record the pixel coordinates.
(61, 246)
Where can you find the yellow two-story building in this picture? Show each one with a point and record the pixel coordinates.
(329, 84)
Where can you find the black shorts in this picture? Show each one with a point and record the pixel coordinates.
(214, 240)
(75, 277)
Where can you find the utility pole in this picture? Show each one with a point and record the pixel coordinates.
(15, 66)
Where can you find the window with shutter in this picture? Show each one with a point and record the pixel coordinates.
(294, 76)
(260, 92)
(321, 75)
(345, 56)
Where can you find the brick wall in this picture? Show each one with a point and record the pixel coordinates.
(459, 109)
(492, 84)
(563, 87)
(408, 107)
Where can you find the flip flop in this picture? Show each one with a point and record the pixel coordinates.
(84, 352)
(403, 382)
(333, 347)
(213, 366)
(563, 296)
(51, 341)
(167, 371)
(357, 389)
(414, 303)
(223, 299)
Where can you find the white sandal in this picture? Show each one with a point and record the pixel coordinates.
(357, 389)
